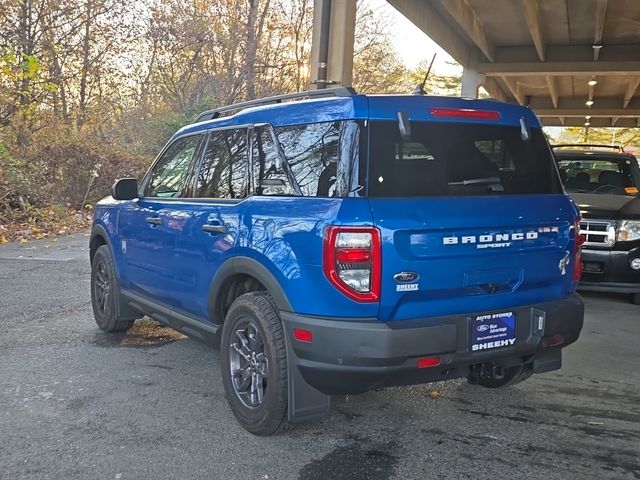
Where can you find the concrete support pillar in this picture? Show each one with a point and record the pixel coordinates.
(341, 36)
(471, 82)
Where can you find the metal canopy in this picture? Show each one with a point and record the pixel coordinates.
(544, 53)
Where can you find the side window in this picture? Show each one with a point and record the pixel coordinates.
(312, 153)
(224, 170)
(169, 175)
(269, 176)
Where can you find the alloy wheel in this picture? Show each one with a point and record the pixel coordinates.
(248, 364)
(102, 287)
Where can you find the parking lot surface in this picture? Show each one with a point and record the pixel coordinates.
(78, 403)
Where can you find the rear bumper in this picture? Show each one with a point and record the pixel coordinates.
(609, 271)
(349, 356)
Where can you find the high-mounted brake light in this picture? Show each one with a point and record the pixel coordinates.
(351, 261)
(579, 239)
(465, 113)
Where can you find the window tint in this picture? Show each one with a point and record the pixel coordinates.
(458, 159)
(312, 153)
(169, 175)
(269, 171)
(597, 175)
(224, 170)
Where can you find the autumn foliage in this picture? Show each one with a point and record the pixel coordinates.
(90, 90)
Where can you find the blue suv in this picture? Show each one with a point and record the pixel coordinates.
(334, 243)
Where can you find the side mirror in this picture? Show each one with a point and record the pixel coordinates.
(125, 189)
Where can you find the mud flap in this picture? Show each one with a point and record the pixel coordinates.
(548, 361)
(305, 402)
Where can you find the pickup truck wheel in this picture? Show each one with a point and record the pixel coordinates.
(103, 288)
(253, 359)
(635, 298)
(512, 376)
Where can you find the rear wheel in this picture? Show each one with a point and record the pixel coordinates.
(103, 292)
(254, 364)
(512, 376)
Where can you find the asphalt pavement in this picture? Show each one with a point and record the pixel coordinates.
(77, 403)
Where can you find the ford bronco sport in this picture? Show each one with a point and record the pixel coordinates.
(334, 243)
(604, 182)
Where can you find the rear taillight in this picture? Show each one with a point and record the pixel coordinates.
(351, 261)
(579, 239)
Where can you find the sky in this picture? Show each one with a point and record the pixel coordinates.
(413, 44)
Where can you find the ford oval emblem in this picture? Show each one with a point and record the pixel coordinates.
(406, 277)
(483, 328)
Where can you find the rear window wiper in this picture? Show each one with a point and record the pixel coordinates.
(477, 181)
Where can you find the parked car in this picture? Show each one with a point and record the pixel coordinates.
(334, 243)
(605, 184)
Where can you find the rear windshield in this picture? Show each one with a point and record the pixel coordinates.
(596, 174)
(452, 159)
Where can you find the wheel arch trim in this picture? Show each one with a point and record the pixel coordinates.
(253, 268)
(100, 231)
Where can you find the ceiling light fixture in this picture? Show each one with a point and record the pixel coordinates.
(592, 82)
(596, 46)
(587, 117)
(588, 103)
(586, 124)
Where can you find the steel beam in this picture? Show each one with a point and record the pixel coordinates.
(339, 64)
(430, 21)
(466, 18)
(566, 53)
(525, 69)
(513, 89)
(494, 89)
(532, 16)
(632, 86)
(553, 90)
(593, 112)
(601, 11)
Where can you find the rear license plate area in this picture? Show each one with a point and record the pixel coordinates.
(491, 331)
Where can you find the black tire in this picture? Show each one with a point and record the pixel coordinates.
(103, 287)
(512, 376)
(635, 298)
(253, 344)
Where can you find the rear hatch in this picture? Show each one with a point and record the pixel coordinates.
(472, 219)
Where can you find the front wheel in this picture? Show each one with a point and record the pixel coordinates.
(253, 359)
(103, 292)
(635, 298)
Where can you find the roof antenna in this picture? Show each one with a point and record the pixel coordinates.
(420, 87)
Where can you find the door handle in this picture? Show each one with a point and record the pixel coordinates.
(214, 228)
(153, 220)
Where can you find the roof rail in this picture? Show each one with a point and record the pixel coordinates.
(325, 92)
(617, 148)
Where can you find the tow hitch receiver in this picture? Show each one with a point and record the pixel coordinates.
(485, 370)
